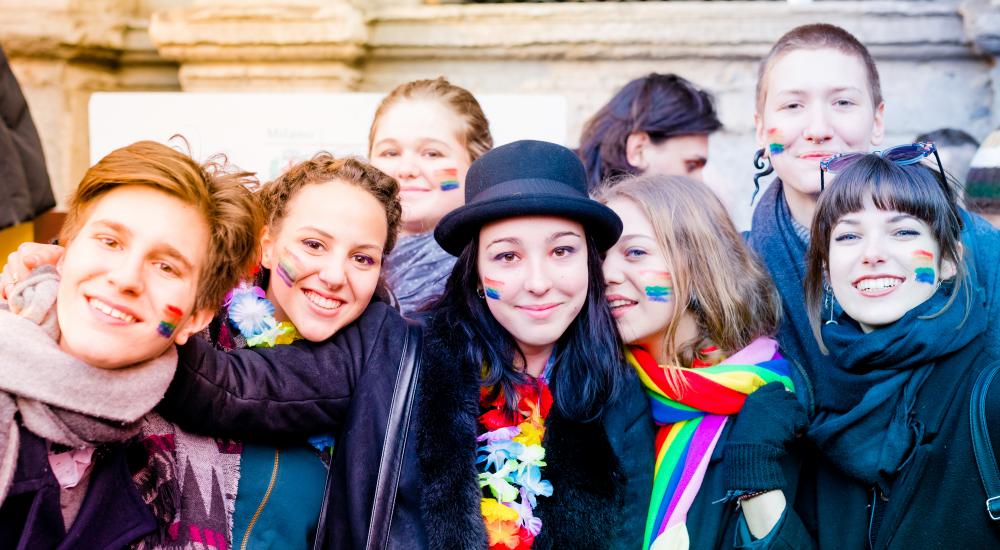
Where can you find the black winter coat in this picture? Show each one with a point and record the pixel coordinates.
(24, 182)
(600, 495)
(937, 500)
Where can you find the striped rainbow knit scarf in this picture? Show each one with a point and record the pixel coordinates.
(690, 426)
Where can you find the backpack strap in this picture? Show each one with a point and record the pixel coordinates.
(986, 460)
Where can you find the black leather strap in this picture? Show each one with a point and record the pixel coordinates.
(395, 439)
(986, 461)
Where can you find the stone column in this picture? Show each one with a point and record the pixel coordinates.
(61, 51)
(263, 45)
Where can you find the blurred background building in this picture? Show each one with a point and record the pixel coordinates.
(938, 59)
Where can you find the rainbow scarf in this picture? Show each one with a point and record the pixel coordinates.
(690, 426)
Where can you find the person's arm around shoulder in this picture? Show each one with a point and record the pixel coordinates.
(293, 390)
(755, 449)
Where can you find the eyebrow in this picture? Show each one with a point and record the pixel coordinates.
(161, 248)
(332, 238)
(902, 217)
(636, 236)
(562, 234)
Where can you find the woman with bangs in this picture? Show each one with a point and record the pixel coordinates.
(893, 302)
(698, 312)
(818, 95)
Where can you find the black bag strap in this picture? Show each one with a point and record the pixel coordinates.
(395, 439)
(986, 460)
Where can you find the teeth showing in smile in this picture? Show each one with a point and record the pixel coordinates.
(322, 302)
(620, 303)
(877, 284)
(110, 311)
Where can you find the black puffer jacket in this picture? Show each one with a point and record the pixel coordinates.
(24, 183)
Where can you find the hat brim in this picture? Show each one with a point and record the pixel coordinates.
(461, 225)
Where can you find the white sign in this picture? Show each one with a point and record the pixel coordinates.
(264, 133)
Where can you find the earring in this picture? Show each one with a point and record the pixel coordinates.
(828, 303)
(763, 164)
(480, 293)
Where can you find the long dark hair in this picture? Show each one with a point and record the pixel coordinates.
(662, 105)
(915, 189)
(589, 369)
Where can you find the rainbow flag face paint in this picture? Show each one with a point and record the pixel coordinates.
(169, 324)
(492, 288)
(775, 147)
(924, 270)
(447, 178)
(289, 268)
(659, 285)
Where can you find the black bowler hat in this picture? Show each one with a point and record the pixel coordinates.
(526, 178)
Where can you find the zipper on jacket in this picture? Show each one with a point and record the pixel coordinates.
(263, 501)
(878, 510)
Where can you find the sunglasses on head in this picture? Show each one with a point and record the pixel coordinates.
(902, 155)
(911, 153)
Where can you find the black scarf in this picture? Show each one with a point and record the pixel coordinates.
(864, 418)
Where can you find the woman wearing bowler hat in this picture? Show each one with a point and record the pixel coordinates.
(527, 428)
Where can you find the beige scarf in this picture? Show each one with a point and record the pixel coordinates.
(59, 397)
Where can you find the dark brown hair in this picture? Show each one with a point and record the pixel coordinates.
(914, 189)
(323, 168)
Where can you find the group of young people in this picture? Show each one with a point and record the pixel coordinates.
(586, 354)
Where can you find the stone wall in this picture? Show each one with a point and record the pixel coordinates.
(938, 59)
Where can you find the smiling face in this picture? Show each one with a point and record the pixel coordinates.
(417, 141)
(639, 280)
(676, 156)
(882, 264)
(533, 270)
(325, 257)
(130, 276)
(817, 103)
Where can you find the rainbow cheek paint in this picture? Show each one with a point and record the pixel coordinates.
(289, 268)
(774, 146)
(659, 285)
(447, 178)
(924, 270)
(169, 324)
(492, 288)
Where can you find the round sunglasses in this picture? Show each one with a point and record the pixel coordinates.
(911, 153)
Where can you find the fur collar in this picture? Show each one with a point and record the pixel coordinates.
(587, 477)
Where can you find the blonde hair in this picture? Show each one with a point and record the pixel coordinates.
(818, 36)
(476, 137)
(217, 190)
(716, 277)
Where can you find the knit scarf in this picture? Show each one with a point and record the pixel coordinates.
(775, 240)
(417, 270)
(690, 424)
(864, 421)
(57, 396)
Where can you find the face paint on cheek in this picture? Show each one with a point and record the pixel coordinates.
(492, 288)
(659, 285)
(172, 316)
(447, 178)
(289, 268)
(774, 138)
(924, 270)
